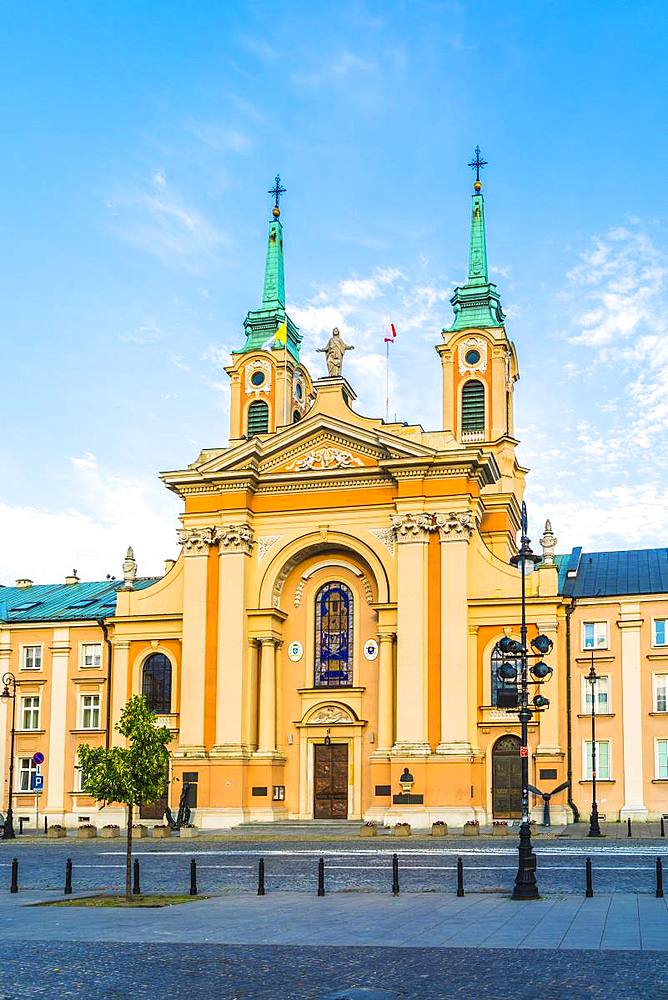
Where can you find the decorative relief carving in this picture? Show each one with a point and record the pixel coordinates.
(322, 459)
(259, 365)
(235, 537)
(472, 344)
(329, 715)
(386, 536)
(196, 540)
(412, 527)
(298, 593)
(455, 526)
(265, 543)
(368, 593)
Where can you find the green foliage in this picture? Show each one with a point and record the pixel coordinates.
(133, 774)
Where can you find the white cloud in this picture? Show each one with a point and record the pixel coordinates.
(147, 332)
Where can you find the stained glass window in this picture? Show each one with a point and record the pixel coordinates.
(334, 636)
(157, 684)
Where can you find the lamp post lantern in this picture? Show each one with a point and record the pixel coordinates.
(525, 880)
(9, 684)
(594, 828)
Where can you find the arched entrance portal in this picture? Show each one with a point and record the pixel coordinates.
(506, 778)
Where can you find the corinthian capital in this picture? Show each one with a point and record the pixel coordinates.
(457, 526)
(235, 538)
(195, 540)
(412, 527)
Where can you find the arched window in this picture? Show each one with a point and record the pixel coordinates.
(334, 636)
(496, 685)
(258, 418)
(156, 683)
(296, 416)
(473, 407)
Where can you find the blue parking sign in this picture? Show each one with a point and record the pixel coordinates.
(38, 782)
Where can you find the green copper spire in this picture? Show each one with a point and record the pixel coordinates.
(270, 327)
(477, 303)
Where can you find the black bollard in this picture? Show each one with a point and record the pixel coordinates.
(321, 877)
(136, 888)
(260, 878)
(14, 887)
(663, 828)
(628, 827)
(395, 875)
(68, 877)
(659, 878)
(193, 877)
(22, 820)
(589, 886)
(46, 825)
(460, 877)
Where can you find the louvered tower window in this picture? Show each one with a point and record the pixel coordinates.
(473, 408)
(258, 418)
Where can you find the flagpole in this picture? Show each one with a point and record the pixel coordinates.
(285, 387)
(387, 381)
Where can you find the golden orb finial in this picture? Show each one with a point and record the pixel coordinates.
(276, 211)
(477, 186)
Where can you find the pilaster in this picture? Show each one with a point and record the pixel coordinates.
(630, 624)
(267, 700)
(55, 784)
(119, 687)
(196, 542)
(455, 530)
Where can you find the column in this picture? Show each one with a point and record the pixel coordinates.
(196, 543)
(412, 609)
(235, 543)
(58, 725)
(385, 692)
(454, 531)
(119, 687)
(267, 701)
(634, 798)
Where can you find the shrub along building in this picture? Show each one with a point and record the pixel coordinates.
(334, 614)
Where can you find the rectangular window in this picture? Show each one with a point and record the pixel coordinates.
(30, 711)
(602, 760)
(601, 696)
(91, 654)
(595, 635)
(27, 770)
(662, 759)
(32, 658)
(90, 711)
(659, 638)
(661, 692)
(77, 779)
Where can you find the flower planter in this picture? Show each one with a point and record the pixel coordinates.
(86, 832)
(110, 831)
(500, 831)
(472, 831)
(368, 831)
(55, 832)
(187, 831)
(439, 829)
(139, 831)
(161, 832)
(401, 830)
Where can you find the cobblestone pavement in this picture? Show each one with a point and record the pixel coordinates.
(231, 972)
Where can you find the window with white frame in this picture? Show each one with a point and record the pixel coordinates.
(661, 692)
(595, 635)
(661, 765)
(90, 711)
(30, 711)
(601, 695)
(27, 771)
(91, 654)
(32, 658)
(659, 632)
(602, 760)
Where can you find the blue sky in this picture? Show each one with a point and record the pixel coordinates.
(139, 142)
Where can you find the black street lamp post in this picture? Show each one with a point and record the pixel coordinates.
(594, 828)
(525, 881)
(9, 691)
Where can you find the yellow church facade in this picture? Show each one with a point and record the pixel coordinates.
(332, 620)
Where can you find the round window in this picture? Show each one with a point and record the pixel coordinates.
(299, 392)
(472, 357)
(257, 378)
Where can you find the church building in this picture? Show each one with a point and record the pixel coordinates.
(331, 626)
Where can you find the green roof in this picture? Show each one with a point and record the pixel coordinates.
(63, 602)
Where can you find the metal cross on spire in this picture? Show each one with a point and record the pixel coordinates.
(277, 191)
(477, 164)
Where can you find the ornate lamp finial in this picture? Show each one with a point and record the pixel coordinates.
(477, 164)
(548, 540)
(277, 191)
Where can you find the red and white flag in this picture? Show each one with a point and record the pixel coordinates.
(392, 331)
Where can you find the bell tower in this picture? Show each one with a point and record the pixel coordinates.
(269, 387)
(478, 360)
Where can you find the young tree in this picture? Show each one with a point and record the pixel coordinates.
(132, 774)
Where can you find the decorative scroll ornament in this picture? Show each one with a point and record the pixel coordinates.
(235, 537)
(472, 344)
(548, 541)
(196, 540)
(325, 458)
(455, 526)
(265, 543)
(329, 715)
(264, 385)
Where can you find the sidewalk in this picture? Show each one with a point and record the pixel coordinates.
(425, 920)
